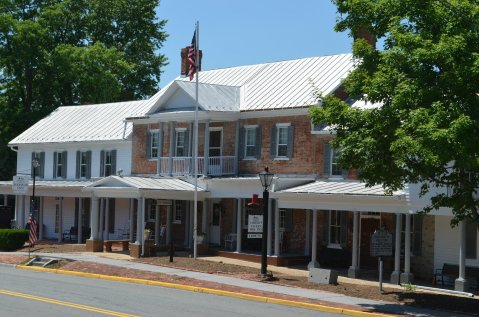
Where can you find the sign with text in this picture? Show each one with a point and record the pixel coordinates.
(255, 226)
(20, 184)
(381, 243)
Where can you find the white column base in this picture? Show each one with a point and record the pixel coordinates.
(406, 278)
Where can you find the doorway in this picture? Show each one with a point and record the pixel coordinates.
(215, 228)
(368, 225)
(215, 151)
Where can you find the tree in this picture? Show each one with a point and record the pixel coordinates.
(425, 83)
(69, 52)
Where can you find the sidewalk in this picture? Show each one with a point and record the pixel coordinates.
(336, 300)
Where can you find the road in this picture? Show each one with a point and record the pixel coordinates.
(41, 294)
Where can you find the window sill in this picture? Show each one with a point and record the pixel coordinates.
(281, 158)
(334, 246)
(336, 177)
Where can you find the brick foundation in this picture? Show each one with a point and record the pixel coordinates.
(94, 245)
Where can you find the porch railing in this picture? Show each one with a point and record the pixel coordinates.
(217, 166)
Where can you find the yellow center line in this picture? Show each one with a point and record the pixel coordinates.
(67, 304)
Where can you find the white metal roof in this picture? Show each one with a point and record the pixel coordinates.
(170, 184)
(100, 122)
(278, 85)
(340, 187)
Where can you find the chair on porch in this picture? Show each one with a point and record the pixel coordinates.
(230, 239)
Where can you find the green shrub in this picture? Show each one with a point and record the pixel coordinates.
(12, 239)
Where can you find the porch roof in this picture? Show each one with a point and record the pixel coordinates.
(148, 187)
(43, 187)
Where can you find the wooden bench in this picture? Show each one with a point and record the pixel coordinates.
(450, 272)
(108, 244)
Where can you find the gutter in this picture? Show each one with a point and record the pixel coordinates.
(12, 147)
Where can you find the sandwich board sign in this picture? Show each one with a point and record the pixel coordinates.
(20, 184)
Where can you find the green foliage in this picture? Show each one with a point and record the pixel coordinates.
(12, 239)
(426, 129)
(409, 287)
(71, 52)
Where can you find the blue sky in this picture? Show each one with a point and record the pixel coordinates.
(244, 32)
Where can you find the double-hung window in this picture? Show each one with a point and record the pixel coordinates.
(250, 142)
(331, 163)
(83, 167)
(60, 164)
(107, 163)
(153, 144)
(334, 228)
(282, 136)
(180, 143)
(335, 225)
(179, 207)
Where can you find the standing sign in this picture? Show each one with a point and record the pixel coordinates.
(255, 226)
(381, 245)
(20, 184)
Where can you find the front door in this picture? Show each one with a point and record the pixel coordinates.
(368, 226)
(215, 151)
(215, 225)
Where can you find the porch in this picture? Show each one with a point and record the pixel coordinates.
(212, 166)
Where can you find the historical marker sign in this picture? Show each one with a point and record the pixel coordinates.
(20, 184)
(255, 226)
(381, 243)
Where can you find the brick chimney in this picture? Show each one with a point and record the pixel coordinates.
(184, 61)
(364, 32)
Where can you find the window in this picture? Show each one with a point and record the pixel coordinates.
(282, 141)
(178, 209)
(250, 142)
(83, 168)
(40, 158)
(216, 136)
(107, 163)
(180, 142)
(415, 234)
(286, 220)
(60, 164)
(153, 144)
(471, 240)
(335, 170)
(334, 227)
(151, 210)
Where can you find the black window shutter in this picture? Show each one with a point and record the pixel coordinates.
(325, 227)
(77, 208)
(288, 220)
(77, 174)
(41, 172)
(54, 164)
(327, 160)
(113, 162)
(273, 142)
(64, 166)
(417, 235)
(290, 141)
(241, 145)
(148, 145)
(259, 140)
(88, 166)
(160, 141)
(344, 228)
(187, 142)
(102, 163)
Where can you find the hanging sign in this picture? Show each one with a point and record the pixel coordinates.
(255, 226)
(20, 184)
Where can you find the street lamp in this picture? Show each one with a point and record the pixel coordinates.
(266, 178)
(35, 164)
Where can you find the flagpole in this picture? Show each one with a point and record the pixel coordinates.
(195, 151)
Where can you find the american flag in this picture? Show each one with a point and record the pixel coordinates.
(32, 238)
(192, 57)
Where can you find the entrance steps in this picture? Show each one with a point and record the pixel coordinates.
(41, 261)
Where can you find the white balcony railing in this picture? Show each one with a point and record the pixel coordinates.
(177, 166)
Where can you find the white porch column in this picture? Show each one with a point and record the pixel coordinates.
(461, 284)
(141, 211)
(157, 224)
(239, 223)
(396, 275)
(307, 233)
(277, 235)
(270, 228)
(106, 235)
(407, 276)
(186, 241)
(94, 216)
(172, 147)
(40, 218)
(139, 221)
(160, 148)
(60, 220)
(102, 218)
(132, 227)
(80, 221)
(17, 209)
(204, 218)
(169, 215)
(353, 270)
(206, 149)
(314, 241)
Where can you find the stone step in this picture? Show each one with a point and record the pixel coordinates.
(41, 261)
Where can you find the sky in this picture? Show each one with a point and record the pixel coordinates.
(245, 32)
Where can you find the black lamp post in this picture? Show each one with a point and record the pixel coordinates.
(266, 178)
(35, 164)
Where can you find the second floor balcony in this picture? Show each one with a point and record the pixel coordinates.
(183, 165)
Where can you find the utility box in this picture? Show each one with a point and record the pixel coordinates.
(323, 276)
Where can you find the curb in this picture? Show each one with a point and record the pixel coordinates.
(205, 290)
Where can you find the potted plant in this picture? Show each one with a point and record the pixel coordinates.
(200, 237)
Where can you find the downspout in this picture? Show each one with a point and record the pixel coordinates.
(124, 129)
(12, 147)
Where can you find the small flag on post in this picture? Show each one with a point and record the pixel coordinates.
(192, 57)
(32, 238)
